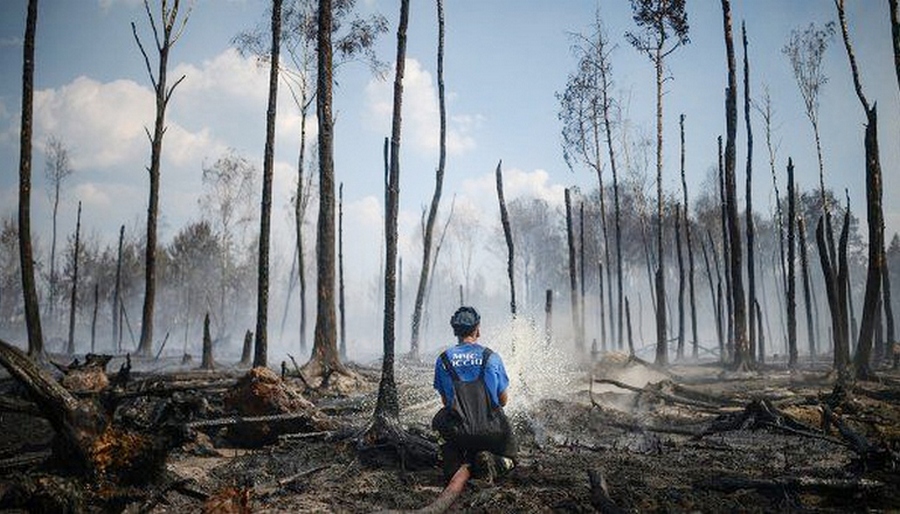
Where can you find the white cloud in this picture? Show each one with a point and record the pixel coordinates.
(516, 183)
(420, 112)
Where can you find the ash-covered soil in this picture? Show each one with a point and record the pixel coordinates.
(691, 438)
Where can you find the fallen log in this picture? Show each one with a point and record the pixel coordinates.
(657, 392)
(836, 486)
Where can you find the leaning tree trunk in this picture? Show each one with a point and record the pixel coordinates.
(261, 349)
(387, 407)
(507, 234)
(428, 236)
(573, 276)
(690, 248)
(874, 212)
(26, 253)
(70, 348)
(895, 36)
(751, 237)
(791, 287)
(741, 344)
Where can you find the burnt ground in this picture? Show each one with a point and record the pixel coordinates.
(692, 438)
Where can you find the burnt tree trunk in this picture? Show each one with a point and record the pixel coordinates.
(325, 355)
(206, 362)
(726, 261)
(741, 344)
(247, 350)
(628, 321)
(507, 234)
(117, 297)
(712, 295)
(261, 350)
(428, 236)
(874, 212)
(342, 345)
(791, 270)
(581, 270)
(94, 316)
(836, 289)
(807, 288)
(163, 94)
(680, 254)
(573, 276)
(615, 177)
(690, 249)
(751, 236)
(70, 347)
(548, 317)
(895, 36)
(387, 407)
(26, 252)
(887, 302)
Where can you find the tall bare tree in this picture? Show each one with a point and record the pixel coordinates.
(690, 247)
(387, 407)
(573, 273)
(260, 349)
(874, 215)
(164, 38)
(428, 236)
(751, 235)
(742, 357)
(663, 28)
(57, 169)
(26, 252)
(790, 286)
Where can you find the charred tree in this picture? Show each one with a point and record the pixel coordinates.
(659, 20)
(94, 316)
(548, 317)
(751, 236)
(341, 303)
(887, 303)
(582, 298)
(70, 347)
(836, 289)
(791, 294)
(690, 248)
(428, 236)
(507, 234)
(895, 36)
(163, 93)
(680, 254)
(247, 349)
(261, 347)
(117, 296)
(742, 357)
(387, 409)
(573, 273)
(713, 297)
(628, 320)
(325, 357)
(807, 289)
(26, 252)
(874, 215)
(206, 362)
(726, 260)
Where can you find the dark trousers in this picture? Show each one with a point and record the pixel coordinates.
(453, 455)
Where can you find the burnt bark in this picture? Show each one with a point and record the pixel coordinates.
(94, 316)
(548, 317)
(325, 354)
(742, 358)
(874, 213)
(261, 348)
(680, 254)
(836, 289)
(247, 349)
(573, 276)
(751, 236)
(342, 345)
(728, 327)
(714, 299)
(163, 93)
(206, 362)
(628, 323)
(26, 252)
(507, 234)
(791, 268)
(387, 408)
(117, 297)
(428, 236)
(807, 289)
(70, 347)
(690, 249)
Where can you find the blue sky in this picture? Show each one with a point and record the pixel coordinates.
(505, 60)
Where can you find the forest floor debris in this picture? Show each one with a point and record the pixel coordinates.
(691, 438)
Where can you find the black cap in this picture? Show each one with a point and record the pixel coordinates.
(464, 321)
